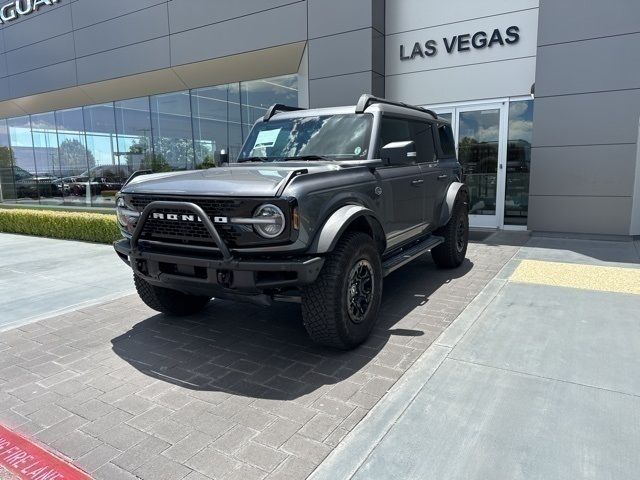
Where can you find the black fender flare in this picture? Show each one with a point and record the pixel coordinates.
(450, 199)
(338, 222)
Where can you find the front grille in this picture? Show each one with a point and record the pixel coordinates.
(194, 233)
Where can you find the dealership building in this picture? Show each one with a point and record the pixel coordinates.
(543, 95)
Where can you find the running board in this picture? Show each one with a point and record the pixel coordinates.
(409, 253)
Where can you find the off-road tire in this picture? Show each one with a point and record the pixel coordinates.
(169, 301)
(325, 303)
(452, 252)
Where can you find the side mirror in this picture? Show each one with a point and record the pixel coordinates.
(398, 153)
(224, 157)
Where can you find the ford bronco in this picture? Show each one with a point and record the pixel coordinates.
(319, 206)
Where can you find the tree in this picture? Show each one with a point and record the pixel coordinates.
(207, 162)
(75, 158)
(7, 158)
(167, 154)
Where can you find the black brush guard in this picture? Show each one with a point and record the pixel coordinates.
(213, 271)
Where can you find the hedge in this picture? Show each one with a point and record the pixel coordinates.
(89, 227)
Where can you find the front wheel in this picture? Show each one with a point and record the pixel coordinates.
(166, 300)
(452, 252)
(340, 309)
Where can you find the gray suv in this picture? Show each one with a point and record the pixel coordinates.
(318, 208)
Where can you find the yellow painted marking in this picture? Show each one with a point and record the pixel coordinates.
(587, 277)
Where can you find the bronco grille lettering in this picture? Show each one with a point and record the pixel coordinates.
(185, 217)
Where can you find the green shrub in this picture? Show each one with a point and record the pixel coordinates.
(89, 227)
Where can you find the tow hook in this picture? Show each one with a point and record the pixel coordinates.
(225, 278)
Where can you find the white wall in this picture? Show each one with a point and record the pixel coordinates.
(473, 74)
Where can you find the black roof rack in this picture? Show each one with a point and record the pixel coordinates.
(278, 107)
(366, 100)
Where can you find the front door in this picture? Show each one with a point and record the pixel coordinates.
(479, 132)
(403, 186)
(402, 197)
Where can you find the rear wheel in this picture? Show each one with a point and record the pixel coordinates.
(452, 252)
(169, 301)
(340, 309)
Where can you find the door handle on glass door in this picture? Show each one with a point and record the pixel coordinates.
(415, 183)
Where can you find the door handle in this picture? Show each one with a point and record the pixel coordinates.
(442, 177)
(415, 183)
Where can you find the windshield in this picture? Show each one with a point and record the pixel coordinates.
(340, 137)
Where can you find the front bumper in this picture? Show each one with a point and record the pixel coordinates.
(213, 272)
(200, 274)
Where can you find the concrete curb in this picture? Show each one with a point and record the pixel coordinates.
(351, 453)
(345, 460)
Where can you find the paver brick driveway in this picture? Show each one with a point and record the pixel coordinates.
(238, 391)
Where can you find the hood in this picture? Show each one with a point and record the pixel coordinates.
(240, 180)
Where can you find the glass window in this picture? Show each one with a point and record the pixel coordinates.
(46, 153)
(335, 136)
(172, 134)
(403, 130)
(82, 156)
(75, 161)
(422, 135)
(478, 148)
(258, 95)
(445, 116)
(24, 171)
(518, 162)
(111, 169)
(216, 123)
(447, 144)
(7, 181)
(133, 127)
(394, 130)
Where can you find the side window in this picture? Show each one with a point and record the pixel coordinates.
(394, 130)
(422, 135)
(402, 130)
(446, 141)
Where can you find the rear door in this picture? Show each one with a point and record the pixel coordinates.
(447, 165)
(422, 134)
(402, 187)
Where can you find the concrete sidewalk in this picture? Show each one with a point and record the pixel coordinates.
(42, 277)
(539, 378)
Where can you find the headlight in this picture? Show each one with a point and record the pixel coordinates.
(127, 218)
(270, 221)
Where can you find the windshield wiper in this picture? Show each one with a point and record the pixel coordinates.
(253, 159)
(309, 157)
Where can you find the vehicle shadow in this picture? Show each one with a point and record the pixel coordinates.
(263, 352)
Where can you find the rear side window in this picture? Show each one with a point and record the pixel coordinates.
(401, 130)
(446, 140)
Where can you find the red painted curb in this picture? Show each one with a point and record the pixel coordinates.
(31, 462)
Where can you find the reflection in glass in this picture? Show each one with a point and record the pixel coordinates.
(516, 202)
(216, 123)
(82, 156)
(344, 137)
(75, 161)
(46, 153)
(133, 127)
(258, 95)
(7, 180)
(172, 134)
(478, 153)
(445, 116)
(110, 170)
(24, 170)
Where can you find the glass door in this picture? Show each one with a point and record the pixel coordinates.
(480, 131)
